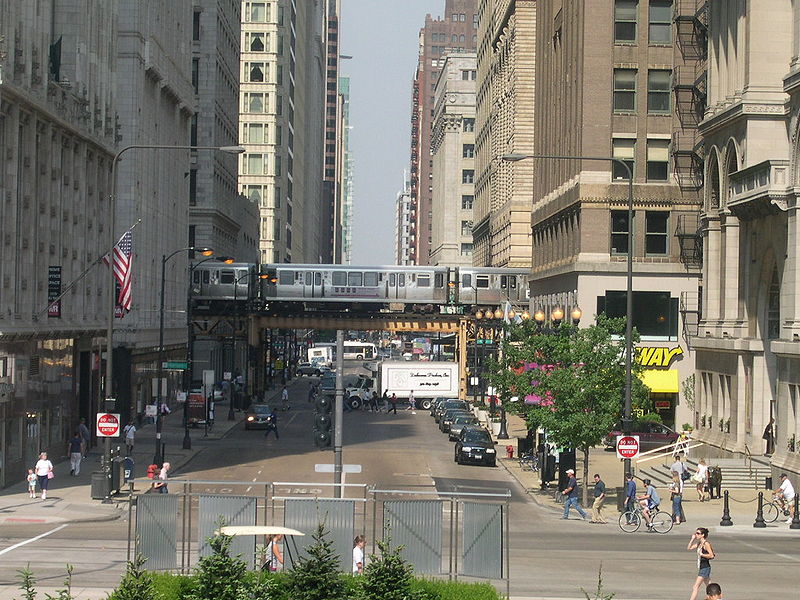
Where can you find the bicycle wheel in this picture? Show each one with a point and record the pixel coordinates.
(661, 522)
(770, 512)
(629, 521)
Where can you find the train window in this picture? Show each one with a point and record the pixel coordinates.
(285, 277)
(438, 280)
(466, 281)
(339, 278)
(355, 279)
(481, 281)
(309, 275)
(227, 277)
(513, 282)
(370, 279)
(392, 279)
(196, 277)
(401, 280)
(317, 278)
(206, 276)
(503, 282)
(423, 280)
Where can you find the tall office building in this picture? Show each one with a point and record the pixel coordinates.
(57, 137)
(748, 356)
(456, 32)
(404, 225)
(346, 165)
(219, 217)
(603, 88)
(453, 150)
(505, 120)
(332, 209)
(282, 119)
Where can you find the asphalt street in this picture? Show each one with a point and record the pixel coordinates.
(549, 557)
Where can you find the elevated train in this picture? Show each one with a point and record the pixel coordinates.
(402, 289)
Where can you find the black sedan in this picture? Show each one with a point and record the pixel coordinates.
(475, 445)
(258, 417)
(449, 416)
(444, 406)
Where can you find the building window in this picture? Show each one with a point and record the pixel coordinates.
(774, 307)
(624, 90)
(278, 166)
(253, 164)
(254, 71)
(254, 102)
(658, 91)
(462, 17)
(469, 124)
(454, 17)
(660, 18)
(193, 187)
(253, 133)
(196, 26)
(466, 227)
(195, 74)
(254, 193)
(468, 151)
(655, 314)
(625, 150)
(256, 12)
(619, 232)
(468, 176)
(625, 20)
(466, 249)
(657, 160)
(193, 130)
(466, 202)
(255, 41)
(656, 239)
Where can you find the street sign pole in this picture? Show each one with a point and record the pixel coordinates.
(338, 412)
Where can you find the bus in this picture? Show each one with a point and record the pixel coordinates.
(359, 350)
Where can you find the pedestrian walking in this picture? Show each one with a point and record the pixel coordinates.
(373, 402)
(164, 409)
(365, 397)
(274, 554)
(285, 399)
(599, 500)
(312, 392)
(571, 496)
(31, 483)
(630, 494)
(700, 479)
(713, 591)
(676, 495)
(769, 437)
(679, 466)
(44, 473)
(385, 399)
(393, 403)
(272, 424)
(74, 451)
(358, 554)
(86, 436)
(705, 554)
(130, 435)
(160, 486)
(412, 405)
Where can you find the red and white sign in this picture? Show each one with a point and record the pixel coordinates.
(107, 425)
(627, 446)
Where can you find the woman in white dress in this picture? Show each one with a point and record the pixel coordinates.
(44, 473)
(700, 478)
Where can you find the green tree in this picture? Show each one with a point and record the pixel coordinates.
(137, 583)
(569, 381)
(316, 576)
(219, 575)
(386, 575)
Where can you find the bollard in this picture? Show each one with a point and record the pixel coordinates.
(726, 513)
(796, 518)
(760, 514)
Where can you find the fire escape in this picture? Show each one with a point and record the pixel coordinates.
(689, 89)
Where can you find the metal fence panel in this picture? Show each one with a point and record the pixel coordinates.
(157, 531)
(235, 510)
(417, 525)
(482, 535)
(304, 514)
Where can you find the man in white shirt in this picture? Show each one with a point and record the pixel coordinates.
(130, 434)
(786, 491)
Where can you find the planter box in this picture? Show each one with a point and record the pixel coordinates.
(495, 428)
(483, 415)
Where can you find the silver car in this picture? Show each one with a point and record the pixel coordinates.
(459, 423)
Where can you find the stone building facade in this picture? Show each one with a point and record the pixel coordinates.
(505, 123)
(748, 345)
(404, 225)
(453, 149)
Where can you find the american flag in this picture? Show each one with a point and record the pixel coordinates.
(123, 259)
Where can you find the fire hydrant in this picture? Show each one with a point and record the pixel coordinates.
(151, 471)
(509, 451)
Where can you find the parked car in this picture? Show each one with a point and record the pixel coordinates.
(448, 417)
(440, 410)
(438, 402)
(459, 422)
(257, 417)
(651, 435)
(309, 369)
(475, 445)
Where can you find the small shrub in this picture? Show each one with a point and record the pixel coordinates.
(599, 593)
(219, 576)
(317, 577)
(27, 583)
(136, 584)
(64, 593)
(387, 576)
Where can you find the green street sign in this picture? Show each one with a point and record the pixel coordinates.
(177, 365)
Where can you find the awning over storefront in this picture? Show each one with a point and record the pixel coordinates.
(660, 381)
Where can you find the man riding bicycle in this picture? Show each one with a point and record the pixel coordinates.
(785, 494)
(649, 501)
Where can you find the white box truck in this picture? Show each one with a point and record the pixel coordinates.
(426, 380)
(321, 354)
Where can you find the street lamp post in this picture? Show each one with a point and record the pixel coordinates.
(626, 411)
(158, 457)
(108, 388)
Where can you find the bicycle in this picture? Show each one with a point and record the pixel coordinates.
(773, 510)
(631, 520)
(528, 462)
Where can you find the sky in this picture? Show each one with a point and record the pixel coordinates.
(382, 37)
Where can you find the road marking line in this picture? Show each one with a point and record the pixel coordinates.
(761, 549)
(33, 539)
(249, 487)
(255, 479)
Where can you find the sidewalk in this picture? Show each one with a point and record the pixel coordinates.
(69, 497)
(743, 504)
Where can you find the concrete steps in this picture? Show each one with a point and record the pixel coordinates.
(736, 475)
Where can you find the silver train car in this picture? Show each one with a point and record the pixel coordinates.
(217, 285)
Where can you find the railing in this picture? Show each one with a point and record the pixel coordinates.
(748, 460)
(671, 450)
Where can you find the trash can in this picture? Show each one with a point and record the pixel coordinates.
(99, 484)
(768, 483)
(127, 469)
(116, 474)
(524, 445)
(620, 499)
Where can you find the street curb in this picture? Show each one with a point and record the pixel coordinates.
(529, 491)
(35, 520)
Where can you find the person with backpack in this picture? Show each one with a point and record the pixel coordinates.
(130, 434)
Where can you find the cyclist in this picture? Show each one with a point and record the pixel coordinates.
(649, 501)
(785, 495)
(630, 493)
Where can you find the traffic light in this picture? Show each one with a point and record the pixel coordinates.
(323, 421)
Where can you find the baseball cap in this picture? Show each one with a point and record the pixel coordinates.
(571, 471)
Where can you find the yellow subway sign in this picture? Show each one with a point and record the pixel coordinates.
(649, 356)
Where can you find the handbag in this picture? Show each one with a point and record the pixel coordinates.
(685, 476)
(50, 475)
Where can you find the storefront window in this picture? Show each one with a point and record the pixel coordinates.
(655, 314)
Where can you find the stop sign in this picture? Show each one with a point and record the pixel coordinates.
(107, 425)
(627, 446)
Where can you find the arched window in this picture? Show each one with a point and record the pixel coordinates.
(713, 182)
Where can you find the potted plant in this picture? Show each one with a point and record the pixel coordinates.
(687, 428)
(791, 443)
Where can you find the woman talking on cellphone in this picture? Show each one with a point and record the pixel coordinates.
(705, 554)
